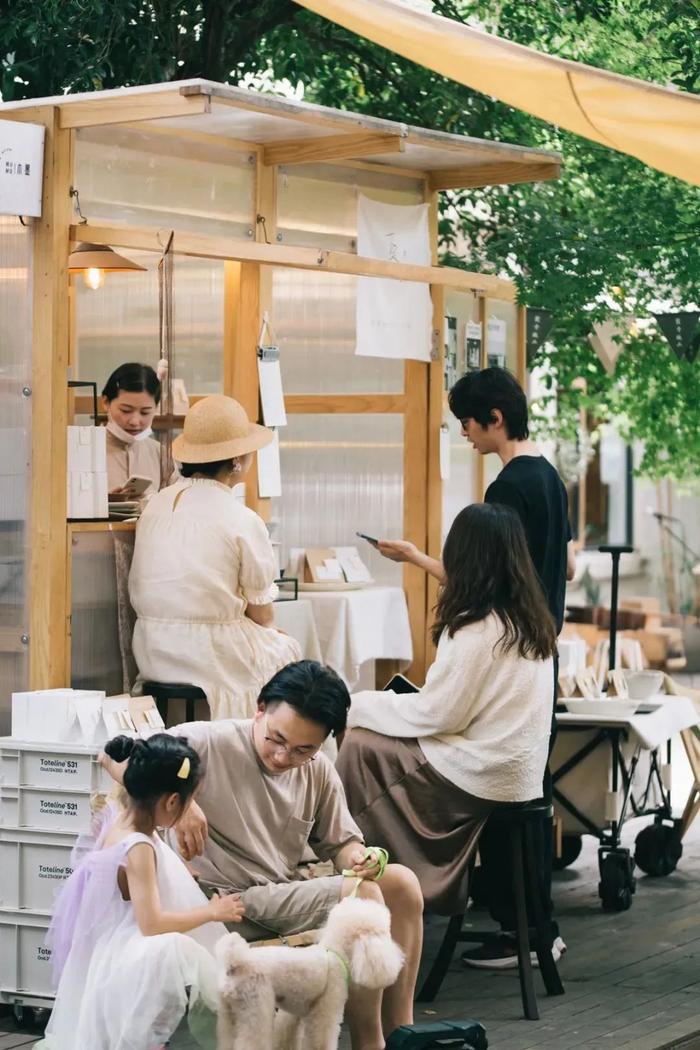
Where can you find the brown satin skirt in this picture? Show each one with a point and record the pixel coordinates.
(402, 803)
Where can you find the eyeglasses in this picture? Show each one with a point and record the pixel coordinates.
(297, 755)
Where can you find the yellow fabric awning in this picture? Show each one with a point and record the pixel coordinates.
(657, 125)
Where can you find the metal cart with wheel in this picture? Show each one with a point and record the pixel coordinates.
(606, 770)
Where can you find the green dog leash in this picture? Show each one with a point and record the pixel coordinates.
(382, 861)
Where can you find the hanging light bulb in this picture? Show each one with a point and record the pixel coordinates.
(93, 277)
(93, 261)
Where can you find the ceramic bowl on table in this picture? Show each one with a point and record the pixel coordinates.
(643, 684)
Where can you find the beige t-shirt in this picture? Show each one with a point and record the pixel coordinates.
(260, 822)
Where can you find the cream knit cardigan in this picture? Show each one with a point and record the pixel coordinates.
(482, 719)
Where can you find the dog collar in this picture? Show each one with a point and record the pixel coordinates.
(343, 963)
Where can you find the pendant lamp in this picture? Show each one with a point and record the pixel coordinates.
(95, 260)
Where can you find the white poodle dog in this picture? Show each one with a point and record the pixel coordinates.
(293, 998)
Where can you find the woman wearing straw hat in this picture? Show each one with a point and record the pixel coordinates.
(201, 581)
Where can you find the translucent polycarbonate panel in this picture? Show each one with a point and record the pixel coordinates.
(317, 203)
(507, 312)
(119, 322)
(164, 181)
(96, 661)
(461, 488)
(15, 455)
(313, 317)
(341, 474)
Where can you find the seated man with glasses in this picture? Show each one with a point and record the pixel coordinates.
(269, 793)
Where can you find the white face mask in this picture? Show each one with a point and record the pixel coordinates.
(124, 435)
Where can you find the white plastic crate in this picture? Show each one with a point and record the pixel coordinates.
(33, 867)
(45, 809)
(25, 961)
(48, 787)
(64, 766)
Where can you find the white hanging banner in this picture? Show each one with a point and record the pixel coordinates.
(270, 379)
(269, 470)
(496, 342)
(606, 339)
(21, 167)
(394, 318)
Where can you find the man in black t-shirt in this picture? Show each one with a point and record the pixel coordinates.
(492, 408)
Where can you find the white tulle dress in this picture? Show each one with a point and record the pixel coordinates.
(118, 989)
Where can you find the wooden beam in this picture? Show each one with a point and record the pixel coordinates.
(241, 332)
(211, 247)
(377, 404)
(504, 173)
(332, 148)
(49, 656)
(415, 481)
(89, 113)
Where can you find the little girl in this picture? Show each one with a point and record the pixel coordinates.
(132, 934)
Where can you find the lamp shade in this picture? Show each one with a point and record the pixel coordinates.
(99, 257)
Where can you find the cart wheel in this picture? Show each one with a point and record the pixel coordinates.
(617, 883)
(658, 848)
(22, 1014)
(571, 846)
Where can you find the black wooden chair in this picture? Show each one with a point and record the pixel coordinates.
(520, 824)
(164, 692)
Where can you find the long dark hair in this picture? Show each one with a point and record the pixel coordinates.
(155, 768)
(488, 569)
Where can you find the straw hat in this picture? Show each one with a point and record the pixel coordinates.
(217, 427)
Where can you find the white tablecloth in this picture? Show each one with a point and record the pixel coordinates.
(356, 626)
(672, 714)
(297, 619)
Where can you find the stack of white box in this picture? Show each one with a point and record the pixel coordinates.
(49, 775)
(87, 472)
(45, 804)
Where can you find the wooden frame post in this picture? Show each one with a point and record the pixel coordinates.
(49, 611)
(241, 332)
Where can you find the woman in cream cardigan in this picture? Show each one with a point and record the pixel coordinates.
(423, 771)
(202, 578)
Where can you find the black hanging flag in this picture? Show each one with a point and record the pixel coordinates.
(679, 329)
(539, 323)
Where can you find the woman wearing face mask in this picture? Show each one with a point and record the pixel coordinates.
(131, 396)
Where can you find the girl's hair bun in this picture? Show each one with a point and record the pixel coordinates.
(119, 748)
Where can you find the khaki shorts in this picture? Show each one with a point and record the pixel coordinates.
(284, 908)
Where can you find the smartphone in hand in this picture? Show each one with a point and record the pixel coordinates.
(370, 539)
(401, 684)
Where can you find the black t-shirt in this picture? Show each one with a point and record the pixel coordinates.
(532, 487)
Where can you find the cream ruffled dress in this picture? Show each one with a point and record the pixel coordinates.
(200, 559)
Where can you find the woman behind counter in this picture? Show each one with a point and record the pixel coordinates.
(202, 578)
(130, 397)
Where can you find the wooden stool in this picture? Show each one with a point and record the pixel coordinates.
(163, 692)
(519, 824)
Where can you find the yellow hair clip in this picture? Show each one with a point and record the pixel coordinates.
(184, 770)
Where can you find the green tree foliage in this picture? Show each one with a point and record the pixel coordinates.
(609, 239)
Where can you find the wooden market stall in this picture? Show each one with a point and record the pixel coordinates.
(260, 195)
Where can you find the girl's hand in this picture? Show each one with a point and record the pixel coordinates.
(398, 550)
(228, 908)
